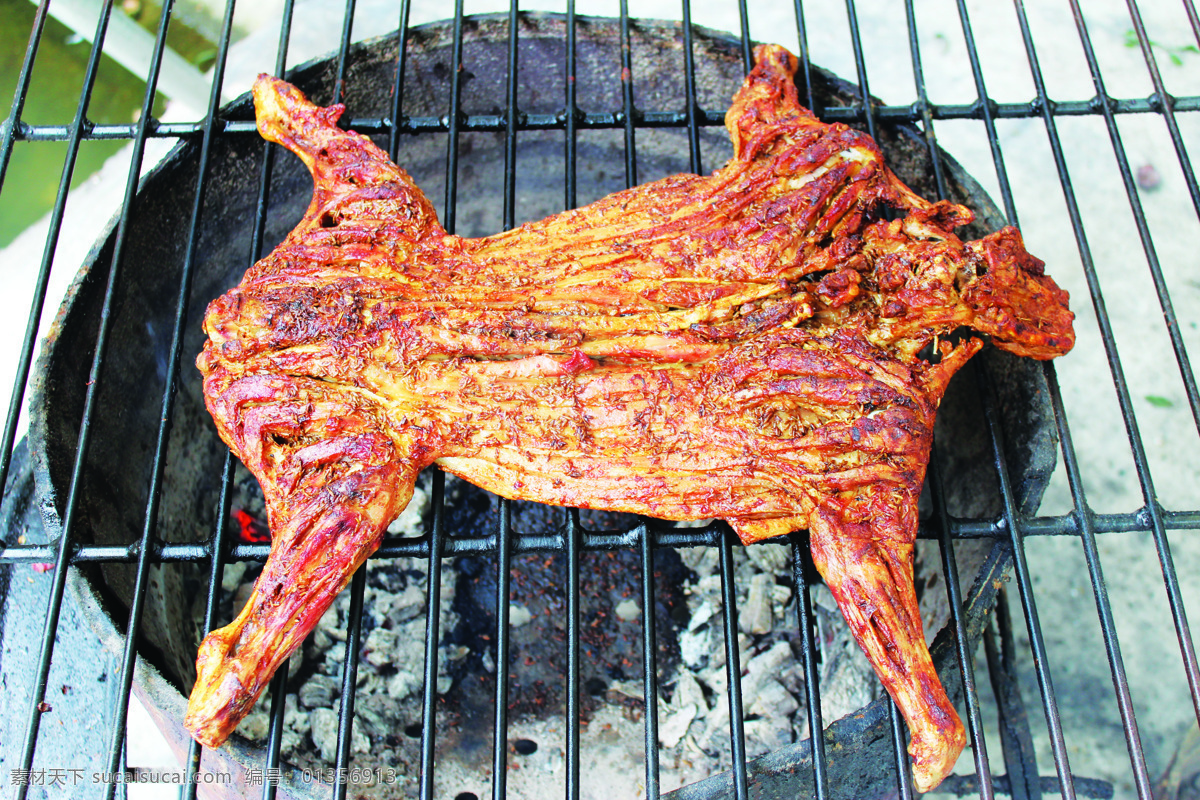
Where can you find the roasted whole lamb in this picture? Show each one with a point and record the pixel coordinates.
(762, 345)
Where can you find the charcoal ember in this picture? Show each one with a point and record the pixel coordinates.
(324, 729)
(381, 647)
(757, 615)
(411, 521)
(675, 724)
(255, 726)
(610, 640)
(771, 558)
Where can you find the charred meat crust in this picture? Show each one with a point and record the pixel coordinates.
(743, 345)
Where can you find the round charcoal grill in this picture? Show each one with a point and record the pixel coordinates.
(137, 488)
(192, 475)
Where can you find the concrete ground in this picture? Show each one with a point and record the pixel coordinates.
(1164, 423)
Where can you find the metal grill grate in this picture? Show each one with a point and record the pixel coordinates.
(1079, 521)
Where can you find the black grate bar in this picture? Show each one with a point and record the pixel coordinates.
(733, 669)
(279, 682)
(512, 118)
(802, 557)
(1154, 511)
(914, 47)
(73, 133)
(1193, 18)
(934, 477)
(10, 128)
(504, 532)
(1165, 101)
(649, 664)
(437, 538)
(345, 734)
(628, 114)
(150, 518)
(358, 584)
(571, 120)
(802, 574)
(269, 148)
(689, 87)
(218, 545)
(453, 121)
(573, 664)
(22, 89)
(1066, 525)
(1075, 480)
(1139, 216)
(805, 61)
(573, 532)
(744, 28)
(339, 83)
(398, 86)
(275, 732)
(61, 561)
(503, 579)
(904, 783)
(1016, 738)
(1028, 603)
(1108, 626)
(860, 67)
(615, 119)
(965, 652)
(987, 114)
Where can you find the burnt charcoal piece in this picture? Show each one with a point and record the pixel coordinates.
(745, 345)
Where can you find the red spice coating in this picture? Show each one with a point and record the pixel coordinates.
(742, 345)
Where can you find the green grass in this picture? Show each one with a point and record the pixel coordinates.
(35, 169)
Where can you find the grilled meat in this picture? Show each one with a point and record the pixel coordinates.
(745, 345)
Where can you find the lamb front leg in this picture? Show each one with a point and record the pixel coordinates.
(863, 547)
(332, 485)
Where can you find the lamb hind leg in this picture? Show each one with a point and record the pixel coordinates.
(868, 568)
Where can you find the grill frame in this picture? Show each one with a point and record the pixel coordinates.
(1081, 522)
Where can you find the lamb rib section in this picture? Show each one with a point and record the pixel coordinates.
(752, 345)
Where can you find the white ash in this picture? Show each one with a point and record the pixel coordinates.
(411, 521)
(324, 728)
(318, 691)
(757, 616)
(390, 676)
(628, 610)
(694, 712)
(518, 616)
(232, 574)
(693, 705)
(255, 725)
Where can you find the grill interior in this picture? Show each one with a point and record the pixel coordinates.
(1115, 232)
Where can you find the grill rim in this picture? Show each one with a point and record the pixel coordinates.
(713, 535)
